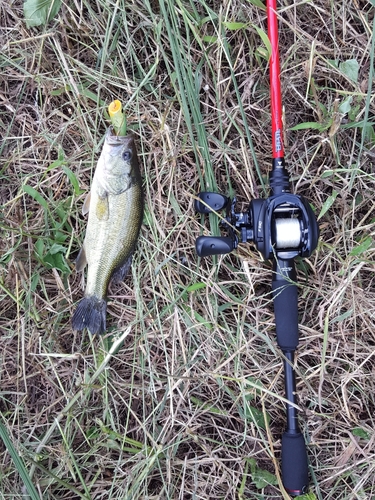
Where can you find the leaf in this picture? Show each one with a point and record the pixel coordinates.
(328, 203)
(333, 62)
(369, 135)
(311, 125)
(262, 52)
(343, 316)
(260, 477)
(59, 237)
(60, 160)
(254, 415)
(353, 112)
(34, 194)
(361, 433)
(207, 407)
(361, 248)
(196, 286)
(350, 68)
(345, 106)
(56, 248)
(210, 39)
(263, 478)
(360, 124)
(234, 26)
(73, 180)
(263, 35)
(259, 4)
(19, 464)
(38, 12)
(56, 261)
(39, 248)
(54, 258)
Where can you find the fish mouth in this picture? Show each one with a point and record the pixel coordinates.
(117, 140)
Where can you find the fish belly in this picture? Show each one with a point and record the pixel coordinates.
(110, 239)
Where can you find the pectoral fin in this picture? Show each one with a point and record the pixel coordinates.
(102, 208)
(81, 260)
(86, 204)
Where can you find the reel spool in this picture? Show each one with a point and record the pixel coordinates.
(288, 233)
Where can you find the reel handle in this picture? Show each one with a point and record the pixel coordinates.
(214, 245)
(208, 201)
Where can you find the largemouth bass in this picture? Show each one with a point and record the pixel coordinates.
(115, 207)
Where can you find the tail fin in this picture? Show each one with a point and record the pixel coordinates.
(90, 314)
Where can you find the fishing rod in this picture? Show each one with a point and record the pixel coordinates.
(282, 227)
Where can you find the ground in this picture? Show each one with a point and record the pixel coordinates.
(183, 398)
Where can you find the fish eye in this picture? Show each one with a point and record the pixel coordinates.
(126, 155)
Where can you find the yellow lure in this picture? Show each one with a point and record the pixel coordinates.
(118, 118)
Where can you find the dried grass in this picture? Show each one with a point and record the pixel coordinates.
(166, 415)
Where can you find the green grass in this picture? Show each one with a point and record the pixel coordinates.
(183, 398)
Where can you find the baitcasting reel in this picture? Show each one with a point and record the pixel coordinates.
(282, 225)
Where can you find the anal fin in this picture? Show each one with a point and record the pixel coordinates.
(120, 273)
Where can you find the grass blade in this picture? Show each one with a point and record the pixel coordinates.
(18, 463)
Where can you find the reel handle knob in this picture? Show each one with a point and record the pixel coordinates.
(207, 202)
(214, 245)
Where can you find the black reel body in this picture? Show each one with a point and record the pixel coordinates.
(283, 225)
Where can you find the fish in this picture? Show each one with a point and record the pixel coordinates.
(115, 206)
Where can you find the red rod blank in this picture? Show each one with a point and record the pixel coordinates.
(276, 107)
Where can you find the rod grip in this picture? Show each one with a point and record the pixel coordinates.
(294, 466)
(285, 302)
